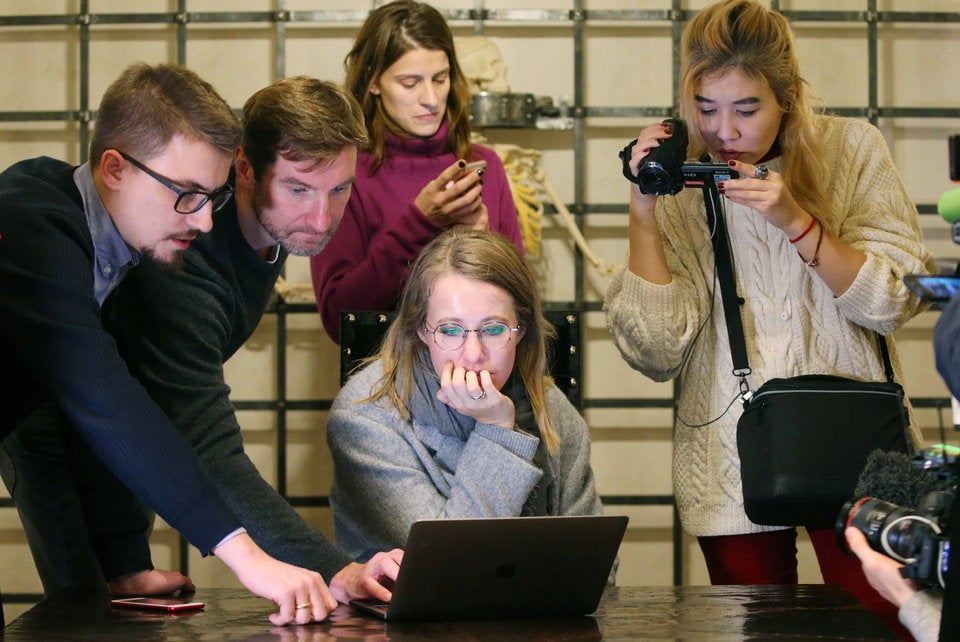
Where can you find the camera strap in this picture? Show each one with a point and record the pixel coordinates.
(732, 301)
(723, 260)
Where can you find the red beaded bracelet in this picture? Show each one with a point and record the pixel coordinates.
(815, 261)
(813, 221)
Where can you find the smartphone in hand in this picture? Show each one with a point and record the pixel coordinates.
(169, 604)
(469, 167)
(936, 287)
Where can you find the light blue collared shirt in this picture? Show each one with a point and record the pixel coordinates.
(112, 256)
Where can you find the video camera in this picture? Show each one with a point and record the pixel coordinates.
(917, 538)
(665, 169)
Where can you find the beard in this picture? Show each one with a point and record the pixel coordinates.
(260, 203)
(171, 263)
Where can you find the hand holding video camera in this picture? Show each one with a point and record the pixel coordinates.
(665, 169)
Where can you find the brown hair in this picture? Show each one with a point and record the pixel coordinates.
(745, 35)
(300, 118)
(484, 256)
(388, 33)
(148, 105)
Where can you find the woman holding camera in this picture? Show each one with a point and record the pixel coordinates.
(821, 233)
(414, 181)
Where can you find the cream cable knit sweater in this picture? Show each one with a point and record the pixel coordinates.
(792, 322)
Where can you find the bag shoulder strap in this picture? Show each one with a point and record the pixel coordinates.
(885, 355)
(723, 260)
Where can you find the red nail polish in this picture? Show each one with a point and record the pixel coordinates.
(461, 164)
(732, 163)
(720, 187)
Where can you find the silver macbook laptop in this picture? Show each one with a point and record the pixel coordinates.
(457, 569)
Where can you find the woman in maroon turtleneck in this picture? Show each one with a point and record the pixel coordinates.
(411, 184)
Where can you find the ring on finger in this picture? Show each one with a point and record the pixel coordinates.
(305, 605)
(479, 396)
(761, 172)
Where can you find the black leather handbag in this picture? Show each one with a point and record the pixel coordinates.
(803, 441)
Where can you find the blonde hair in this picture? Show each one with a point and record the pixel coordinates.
(746, 36)
(483, 256)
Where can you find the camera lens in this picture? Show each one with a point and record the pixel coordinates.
(869, 515)
(660, 170)
(893, 530)
(654, 179)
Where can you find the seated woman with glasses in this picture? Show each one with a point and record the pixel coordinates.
(456, 415)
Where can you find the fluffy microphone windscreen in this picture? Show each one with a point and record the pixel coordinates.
(892, 477)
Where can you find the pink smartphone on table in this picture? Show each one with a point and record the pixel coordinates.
(169, 604)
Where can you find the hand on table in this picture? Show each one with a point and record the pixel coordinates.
(301, 595)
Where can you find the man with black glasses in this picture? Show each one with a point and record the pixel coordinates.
(293, 172)
(160, 158)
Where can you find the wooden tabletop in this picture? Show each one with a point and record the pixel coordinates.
(625, 613)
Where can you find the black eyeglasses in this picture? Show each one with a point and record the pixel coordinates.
(188, 201)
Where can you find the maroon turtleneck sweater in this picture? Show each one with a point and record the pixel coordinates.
(366, 262)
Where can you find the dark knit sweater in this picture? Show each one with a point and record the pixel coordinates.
(54, 346)
(177, 329)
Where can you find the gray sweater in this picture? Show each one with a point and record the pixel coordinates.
(390, 472)
(921, 615)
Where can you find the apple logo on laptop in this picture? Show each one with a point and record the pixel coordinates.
(508, 570)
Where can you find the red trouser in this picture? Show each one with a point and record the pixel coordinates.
(771, 558)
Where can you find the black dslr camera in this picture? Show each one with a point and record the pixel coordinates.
(917, 538)
(665, 170)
